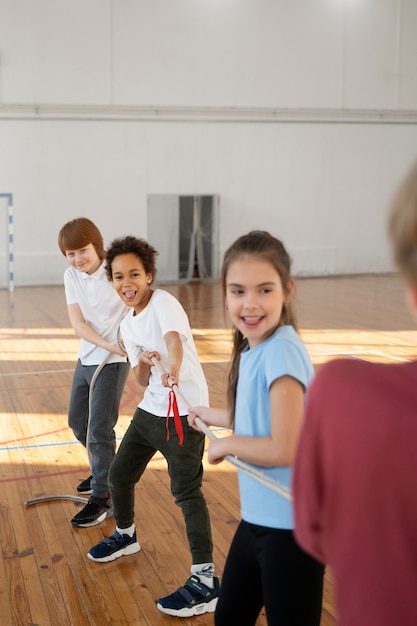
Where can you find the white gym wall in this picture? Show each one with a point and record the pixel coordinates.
(300, 114)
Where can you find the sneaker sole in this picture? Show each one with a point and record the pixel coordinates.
(99, 519)
(198, 609)
(85, 492)
(130, 549)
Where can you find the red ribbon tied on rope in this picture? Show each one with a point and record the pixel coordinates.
(173, 406)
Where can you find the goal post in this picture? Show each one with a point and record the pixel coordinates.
(10, 239)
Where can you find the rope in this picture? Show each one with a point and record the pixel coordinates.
(93, 382)
(96, 374)
(57, 497)
(90, 398)
(241, 465)
(70, 497)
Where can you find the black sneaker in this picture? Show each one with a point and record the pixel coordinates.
(85, 486)
(194, 598)
(95, 511)
(113, 547)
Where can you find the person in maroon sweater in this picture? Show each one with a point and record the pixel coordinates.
(355, 475)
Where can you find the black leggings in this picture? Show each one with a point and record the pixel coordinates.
(266, 567)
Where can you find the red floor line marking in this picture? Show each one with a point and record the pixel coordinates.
(39, 476)
(63, 473)
(51, 432)
(133, 392)
(32, 388)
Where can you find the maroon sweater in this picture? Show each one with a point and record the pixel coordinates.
(355, 488)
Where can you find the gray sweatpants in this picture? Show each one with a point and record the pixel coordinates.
(96, 431)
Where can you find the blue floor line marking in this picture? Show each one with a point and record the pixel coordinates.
(66, 443)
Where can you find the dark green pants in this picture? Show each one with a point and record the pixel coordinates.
(145, 436)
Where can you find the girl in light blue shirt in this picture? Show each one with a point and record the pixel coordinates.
(270, 371)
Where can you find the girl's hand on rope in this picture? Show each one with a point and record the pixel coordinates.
(217, 451)
(197, 411)
(211, 416)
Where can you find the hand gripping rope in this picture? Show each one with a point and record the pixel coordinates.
(242, 465)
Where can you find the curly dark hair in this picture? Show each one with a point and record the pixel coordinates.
(131, 245)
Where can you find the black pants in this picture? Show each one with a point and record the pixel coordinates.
(145, 436)
(266, 567)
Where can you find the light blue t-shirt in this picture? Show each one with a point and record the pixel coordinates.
(283, 354)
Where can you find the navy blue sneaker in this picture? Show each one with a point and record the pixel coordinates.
(194, 598)
(113, 547)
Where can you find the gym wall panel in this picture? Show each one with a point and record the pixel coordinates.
(272, 53)
(371, 38)
(407, 76)
(55, 51)
(280, 177)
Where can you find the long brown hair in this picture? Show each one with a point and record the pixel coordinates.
(403, 227)
(264, 246)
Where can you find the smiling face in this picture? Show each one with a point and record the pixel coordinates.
(131, 281)
(255, 297)
(85, 259)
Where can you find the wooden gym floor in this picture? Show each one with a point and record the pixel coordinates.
(46, 578)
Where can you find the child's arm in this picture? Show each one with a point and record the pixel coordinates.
(142, 370)
(175, 355)
(84, 331)
(287, 410)
(211, 416)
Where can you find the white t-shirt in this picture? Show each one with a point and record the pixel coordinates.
(146, 331)
(101, 307)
